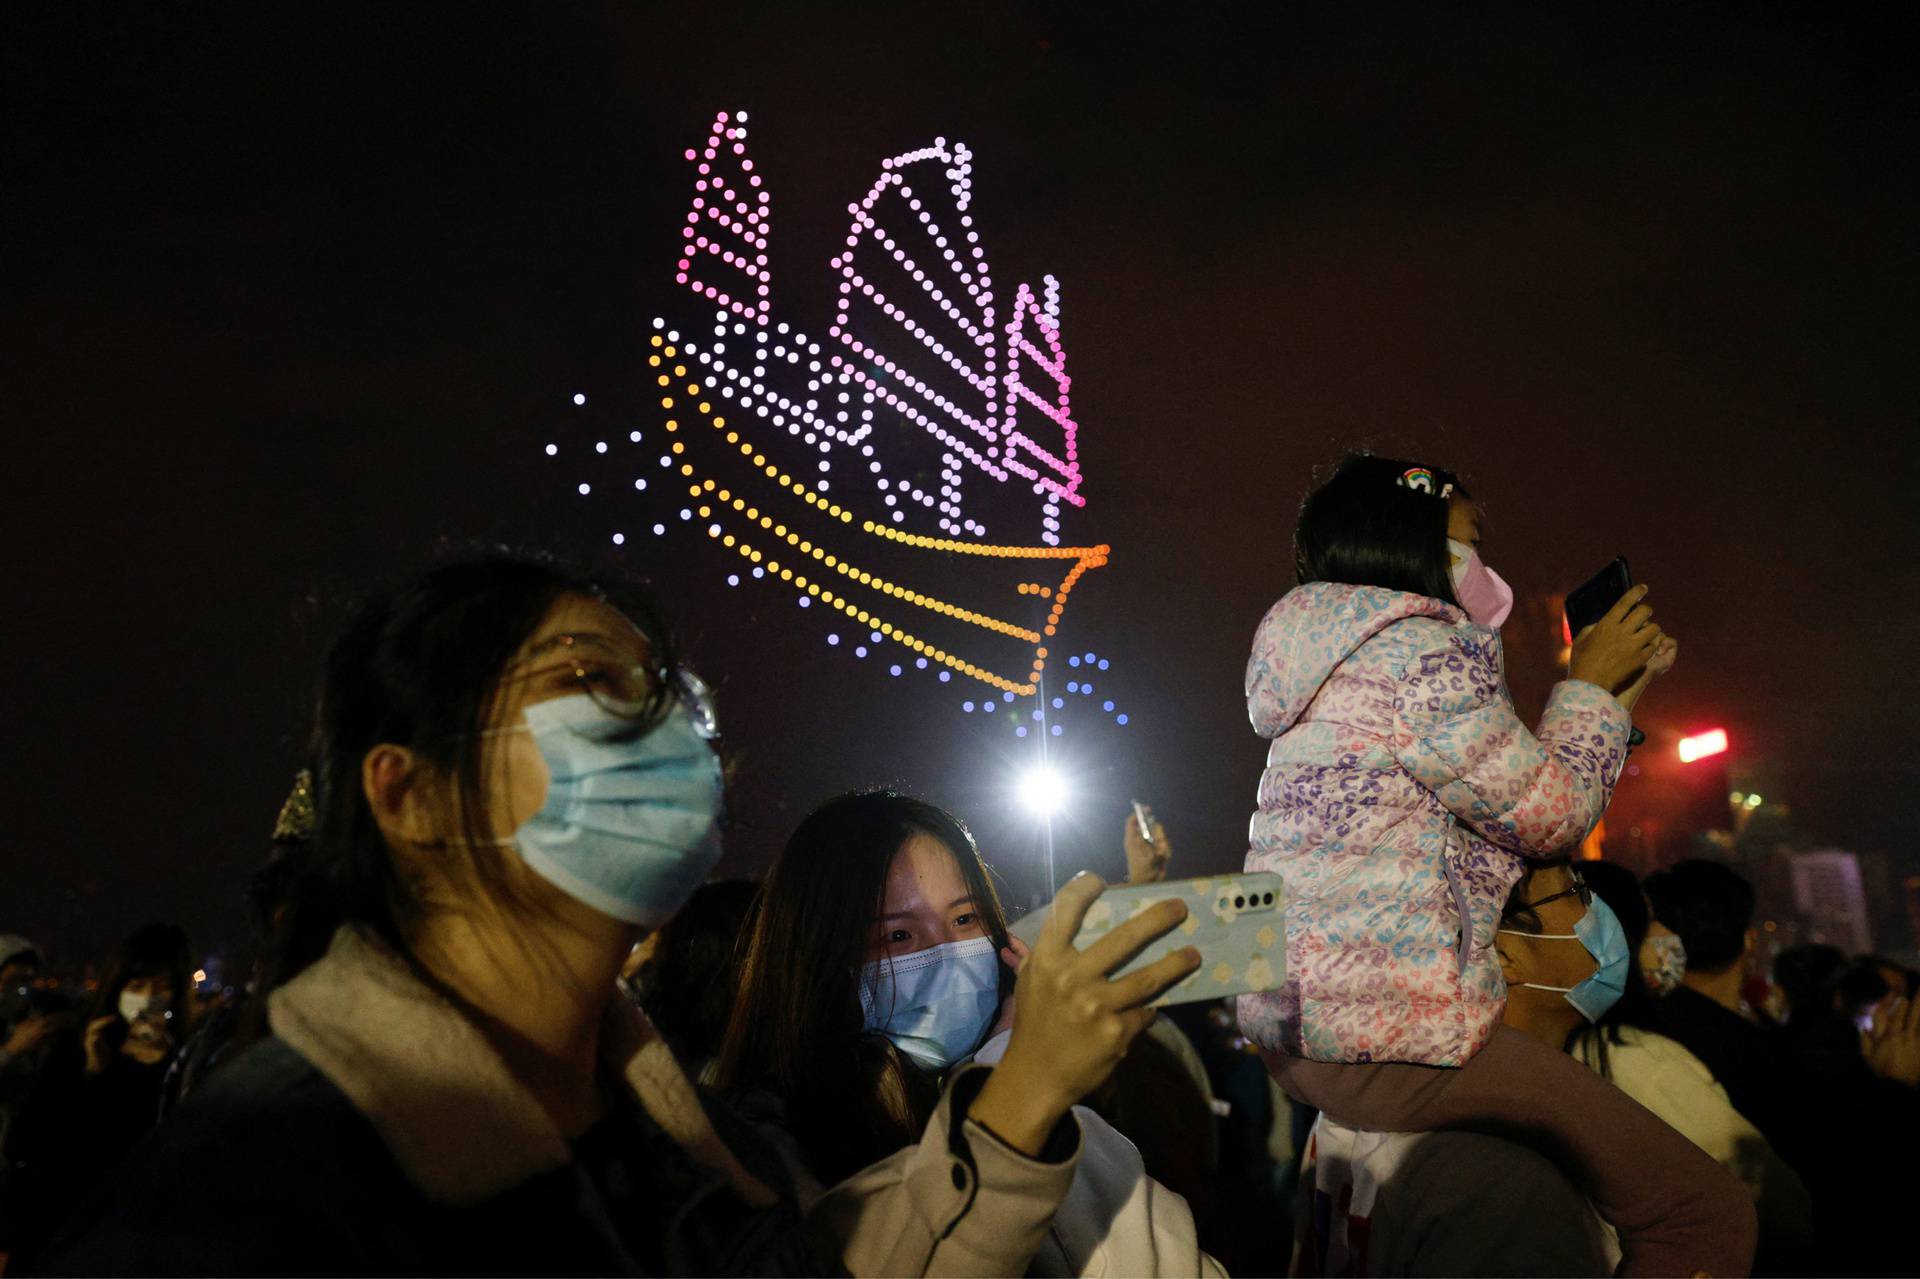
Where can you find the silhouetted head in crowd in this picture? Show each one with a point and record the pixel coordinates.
(865, 877)
(19, 962)
(1365, 528)
(1806, 975)
(1711, 908)
(421, 776)
(687, 968)
(151, 972)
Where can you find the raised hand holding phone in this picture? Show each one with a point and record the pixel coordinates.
(1074, 1023)
(1617, 648)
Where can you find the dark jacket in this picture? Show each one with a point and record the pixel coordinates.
(271, 1170)
(376, 1132)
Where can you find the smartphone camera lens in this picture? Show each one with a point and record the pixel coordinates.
(1223, 903)
(1267, 900)
(1239, 901)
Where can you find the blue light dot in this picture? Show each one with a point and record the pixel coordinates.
(1120, 719)
(1086, 690)
(1073, 661)
(1089, 658)
(1056, 730)
(860, 650)
(988, 706)
(1107, 707)
(921, 663)
(1020, 731)
(967, 707)
(945, 676)
(1103, 663)
(1058, 702)
(1039, 714)
(875, 637)
(1073, 687)
(1007, 696)
(894, 669)
(806, 601)
(833, 639)
(733, 579)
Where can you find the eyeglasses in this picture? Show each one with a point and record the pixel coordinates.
(1580, 889)
(640, 694)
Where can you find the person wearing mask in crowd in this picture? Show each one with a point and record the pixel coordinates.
(514, 779)
(1626, 1048)
(1402, 799)
(24, 1029)
(87, 1111)
(880, 961)
(30, 1024)
(684, 973)
(1816, 1109)
(1459, 1203)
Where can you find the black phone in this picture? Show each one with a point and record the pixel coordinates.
(1588, 602)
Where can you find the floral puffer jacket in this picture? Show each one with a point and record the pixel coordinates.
(1400, 796)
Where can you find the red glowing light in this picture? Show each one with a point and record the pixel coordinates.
(1701, 745)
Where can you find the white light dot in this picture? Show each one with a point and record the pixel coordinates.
(659, 530)
(640, 483)
(601, 447)
(619, 539)
(634, 436)
(585, 489)
(579, 398)
(733, 579)
(833, 639)
(552, 449)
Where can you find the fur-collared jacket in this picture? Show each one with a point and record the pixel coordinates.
(376, 1132)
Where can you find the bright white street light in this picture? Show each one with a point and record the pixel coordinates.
(1043, 790)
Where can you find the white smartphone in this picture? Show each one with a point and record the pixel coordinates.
(1140, 815)
(1233, 919)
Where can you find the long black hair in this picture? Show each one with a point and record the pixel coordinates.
(419, 666)
(1617, 887)
(797, 1029)
(1366, 527)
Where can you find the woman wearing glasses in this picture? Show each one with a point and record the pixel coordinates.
(514, 779)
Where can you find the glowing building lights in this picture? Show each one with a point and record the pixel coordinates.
(1702, 745)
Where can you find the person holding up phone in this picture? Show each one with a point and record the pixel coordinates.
(879, 962)
(1401, 801)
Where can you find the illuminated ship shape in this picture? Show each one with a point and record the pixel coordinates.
(865, 469)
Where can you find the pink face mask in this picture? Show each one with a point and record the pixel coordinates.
(1481, 591)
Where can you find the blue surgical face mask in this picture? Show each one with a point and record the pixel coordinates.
(1600, 932)
(629, 826)
(937, 1004)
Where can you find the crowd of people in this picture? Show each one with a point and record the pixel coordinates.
(505, 1022)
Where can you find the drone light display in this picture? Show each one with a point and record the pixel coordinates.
(888, 472)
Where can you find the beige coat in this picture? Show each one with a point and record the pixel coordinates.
(463, 1129)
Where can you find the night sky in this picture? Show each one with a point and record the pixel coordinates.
(292, 295)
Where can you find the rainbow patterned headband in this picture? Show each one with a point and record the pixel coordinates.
(1420, 480)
